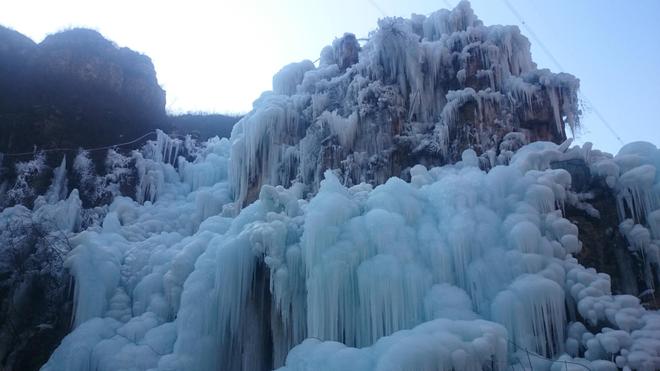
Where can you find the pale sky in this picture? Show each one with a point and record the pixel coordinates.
(218, 56)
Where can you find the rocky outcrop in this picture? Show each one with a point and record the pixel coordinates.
(203, 126)
(75, 88)
(15, 50)
(604, 247)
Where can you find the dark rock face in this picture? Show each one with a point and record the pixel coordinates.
(15, 51)
(347, 50)
(581, 180)
(74, 88)
(203, 126)
(603, 246)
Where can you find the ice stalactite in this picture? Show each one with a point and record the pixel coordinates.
(260, 145)
(63, 216)
(59, 185)
(151, 180)
(164, 149)
(532, 310)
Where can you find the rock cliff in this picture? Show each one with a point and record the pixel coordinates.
(74, 87)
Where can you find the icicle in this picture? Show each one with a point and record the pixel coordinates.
(532, 310)
(58, 187)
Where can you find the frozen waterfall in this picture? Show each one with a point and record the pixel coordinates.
(393, 208)
(460, 268)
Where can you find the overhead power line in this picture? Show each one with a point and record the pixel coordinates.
(375, 5)
(602, 118)
(84, 149)
(559, 67)
(531, 32)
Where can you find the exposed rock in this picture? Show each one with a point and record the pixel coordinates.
(203, 126)
(75, 88)
(603, 246)
(15, 51)
(581, 180)
(346, 50)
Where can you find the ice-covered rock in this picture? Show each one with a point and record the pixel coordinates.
(420, 90)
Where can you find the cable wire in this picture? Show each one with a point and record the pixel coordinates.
(558, 65)
(375, 5)
(84, 149)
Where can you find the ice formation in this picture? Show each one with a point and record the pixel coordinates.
(420, 90)
(358, 252)
(459, 268)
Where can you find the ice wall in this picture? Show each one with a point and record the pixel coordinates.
(459, 268)
(420, 90)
